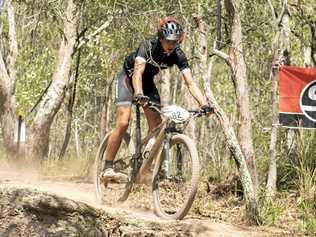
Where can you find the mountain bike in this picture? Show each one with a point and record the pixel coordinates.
(170, 165)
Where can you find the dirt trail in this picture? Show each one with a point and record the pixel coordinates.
(84, 192)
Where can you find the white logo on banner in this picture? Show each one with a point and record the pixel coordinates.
(308, 101)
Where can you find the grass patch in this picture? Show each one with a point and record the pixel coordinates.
(68, 167)
(271, 211)
(308, 226)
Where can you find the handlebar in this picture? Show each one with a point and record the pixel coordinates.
(197, 112)
(157, 107)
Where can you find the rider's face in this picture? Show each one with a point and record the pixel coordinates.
(168, 45)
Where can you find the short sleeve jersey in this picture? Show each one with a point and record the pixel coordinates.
(152, 52)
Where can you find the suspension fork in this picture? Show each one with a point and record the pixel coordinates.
(166, 151)
(179, 160)
(166, 148)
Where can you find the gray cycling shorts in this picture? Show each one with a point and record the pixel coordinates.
(124, 91)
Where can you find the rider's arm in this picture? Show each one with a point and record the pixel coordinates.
(139, 68)
(193, 88)
(183, 66)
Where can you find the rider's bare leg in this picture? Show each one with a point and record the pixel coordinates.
(153, 118)
(123, 115)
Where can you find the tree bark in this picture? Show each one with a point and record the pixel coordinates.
(272, 172)
(38, 139)
(69, 117)
(165, 87)
(7, 88)
(201, 67)
(77, 141)
(69, 109)
(308, 56)
(313, 42)
(233, 145)
(188, 101)
(7, 111)
(241, 86)
(281, 45)
(105, 114)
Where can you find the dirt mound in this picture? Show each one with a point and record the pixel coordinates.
(26, 212)
(38, 206)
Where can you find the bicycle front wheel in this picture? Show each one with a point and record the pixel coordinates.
(112, 192)
(175, 179)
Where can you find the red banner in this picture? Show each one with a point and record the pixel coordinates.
(297, 93)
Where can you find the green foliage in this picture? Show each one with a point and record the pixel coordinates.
(297, 168)
(308, 225)
(307, 200)
(34, 76)
(38, 37)
(271, 211)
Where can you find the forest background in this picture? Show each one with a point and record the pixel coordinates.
(57, 65)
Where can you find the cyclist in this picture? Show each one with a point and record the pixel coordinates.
(136, 81)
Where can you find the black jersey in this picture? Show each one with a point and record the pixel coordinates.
(152, 52)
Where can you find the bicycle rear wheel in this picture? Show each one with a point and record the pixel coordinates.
(175, 186)
(110, 193)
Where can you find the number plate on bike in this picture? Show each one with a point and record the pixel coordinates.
(176, 113)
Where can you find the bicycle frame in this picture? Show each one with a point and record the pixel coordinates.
(155, 152)
(140, 166)
(159, 133)
(163, 135)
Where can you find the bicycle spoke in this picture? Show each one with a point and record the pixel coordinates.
(112, 191)
(175, 184)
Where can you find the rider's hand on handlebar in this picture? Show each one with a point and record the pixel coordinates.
(206, 109)
(141, 99)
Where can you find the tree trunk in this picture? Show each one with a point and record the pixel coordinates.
(241, 86)
(201, 68)
(38, 139)
(233, 145)
(69, 109)
(272, 173)
(313, 42)
(77, 141)
(7, 88)
(105, 114)
(285, 50)
(188, 99)
(165, 87)
(281, 44)
(307, 56)
(7, 111)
